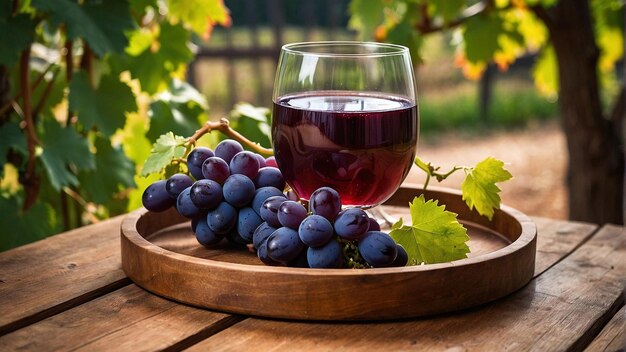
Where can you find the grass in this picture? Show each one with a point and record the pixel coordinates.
(512, 105)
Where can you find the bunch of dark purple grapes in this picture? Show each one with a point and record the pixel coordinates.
(290, 235)
(224, 200)
(238, 195)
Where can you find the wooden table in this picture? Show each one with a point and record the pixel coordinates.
(68, 292)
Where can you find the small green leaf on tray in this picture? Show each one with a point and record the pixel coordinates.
(479, 187)
(435, 235)
(167, 148)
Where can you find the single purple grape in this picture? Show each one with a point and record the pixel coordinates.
(215, 169)
(326, 202)
(271, 161)
(261, 160)
(195, 159)
(245, 163)
(269, 176)
(177, 183)
(156, 198)
(291, 214)
(227, 149)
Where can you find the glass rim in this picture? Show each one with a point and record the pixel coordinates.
(297, 48)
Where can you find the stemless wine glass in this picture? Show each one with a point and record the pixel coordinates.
(345, 116)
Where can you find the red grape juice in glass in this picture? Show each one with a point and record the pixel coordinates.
(362, 145)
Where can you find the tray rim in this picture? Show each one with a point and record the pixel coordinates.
(134, 239)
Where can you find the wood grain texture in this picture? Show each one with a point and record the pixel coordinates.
(129, 319)
(613, 336)
(334, 294)
(46, 277)
(555, 238)
(562, 309)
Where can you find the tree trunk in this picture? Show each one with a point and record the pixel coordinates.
(596, 157)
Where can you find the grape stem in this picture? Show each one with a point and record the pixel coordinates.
(224, 126)
(433, 171)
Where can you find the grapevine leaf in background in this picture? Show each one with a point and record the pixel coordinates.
(479, 187)
(154, 66)
(138, 7)
(113, 172)
(435, 235)
(176, 110)
(167, 148)
(253, 122)
(365, 16)
(448, 9)
(483, 32)
(546, 73)
(194, 14)
(101, 23)
(402, 33)
(16, 33)
(103, 107)
(29, 226)
(11, 138)
(64, 150)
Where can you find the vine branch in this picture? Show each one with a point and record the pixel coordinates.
(82, 202)
(224, 126)
(10, 103)
(30, 178)
(432, 171)
(425, 26)
(45, 95)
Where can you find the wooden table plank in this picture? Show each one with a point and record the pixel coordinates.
(560, 309)
(556, 239)
(613, 336)
(128, 319)
(49, 276)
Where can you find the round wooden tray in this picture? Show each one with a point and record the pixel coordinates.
(160, 254)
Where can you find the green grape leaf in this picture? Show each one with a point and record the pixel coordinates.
(136, 146)
(16, 34)
(64, 153)
(181, 119)
(36, 223)
(199, 15)
(481, 37)
(434, 236)
(448, 9)
(101, 23)
(544, 3)
(479, 187)
(532, 29)
(138, 7)
(546, 73)
(139, 40)
(104, 107)
(11, 137)
(153, 69)
(611, 44)
(176, 110)
(253, 122)
(165, 149)
(113, 173)
(365, 16)
(404, 34)
(56, 92)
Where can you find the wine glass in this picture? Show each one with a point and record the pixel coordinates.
(345, 116)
